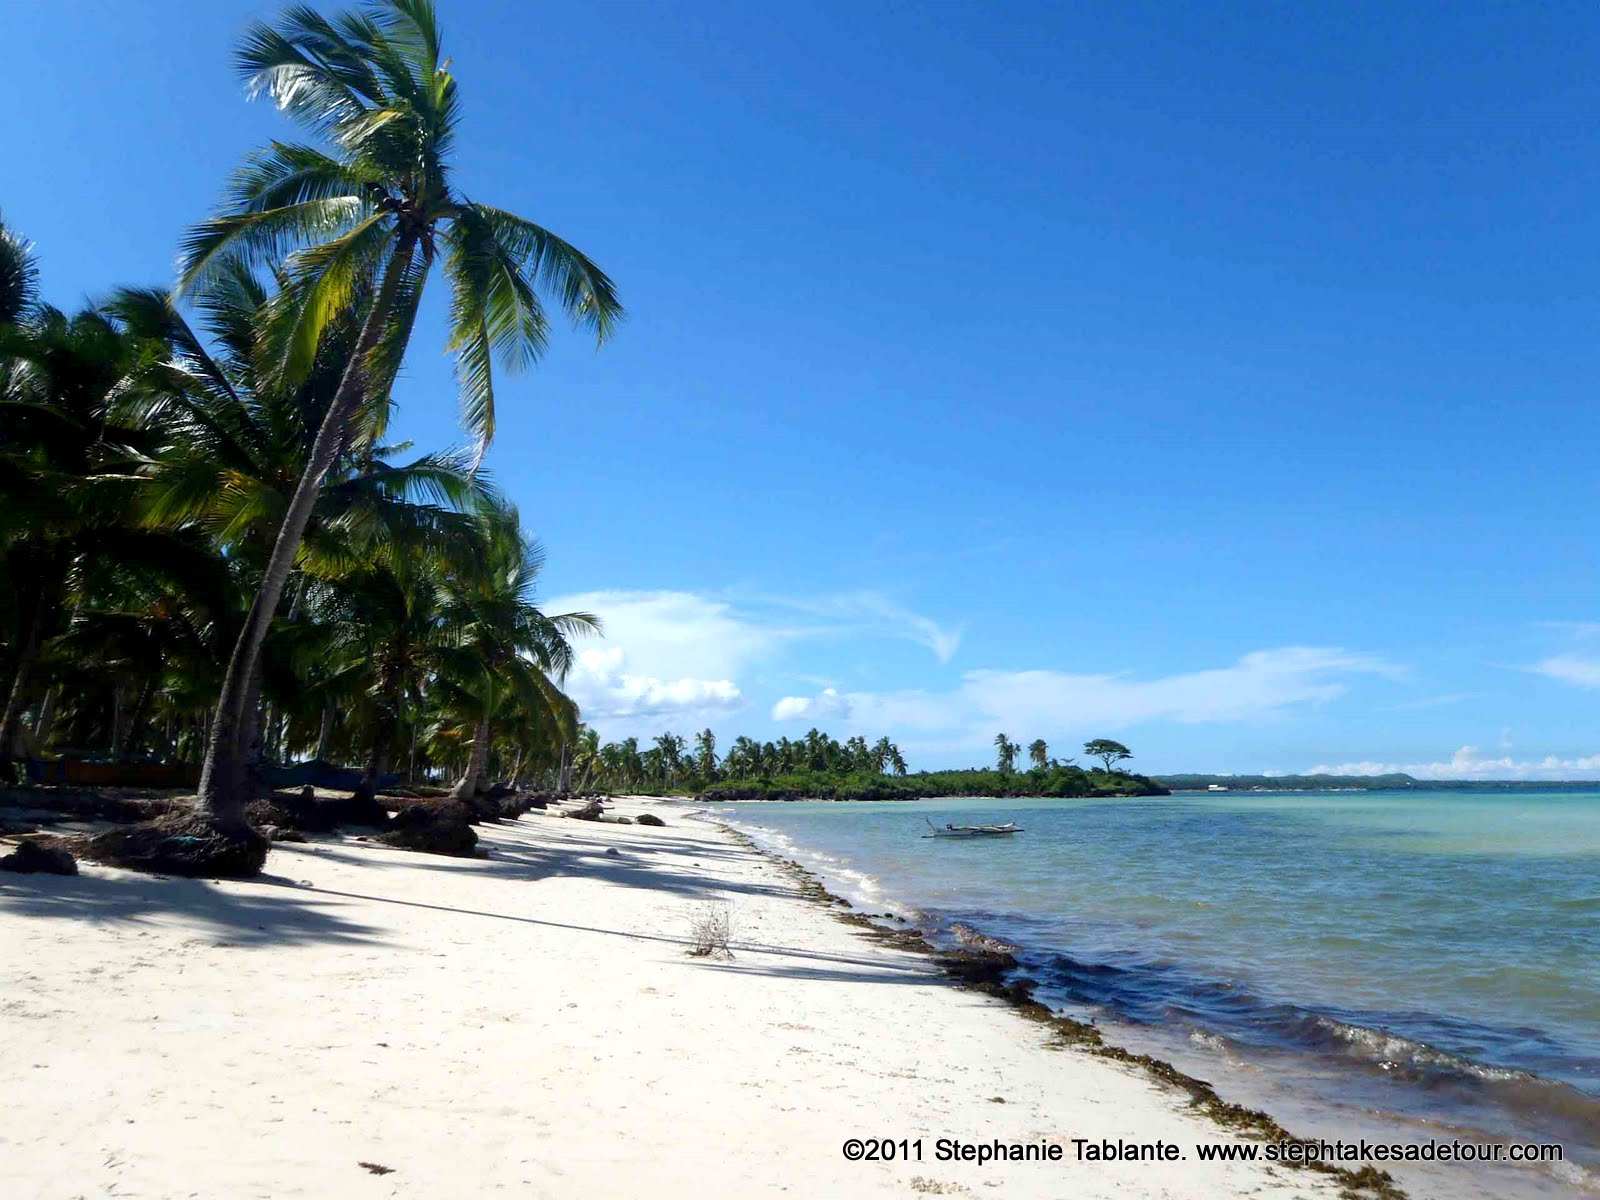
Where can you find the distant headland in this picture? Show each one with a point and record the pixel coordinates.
(1362, 783)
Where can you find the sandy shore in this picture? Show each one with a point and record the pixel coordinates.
(528, 1025)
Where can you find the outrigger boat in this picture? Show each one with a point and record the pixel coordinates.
(971, 831)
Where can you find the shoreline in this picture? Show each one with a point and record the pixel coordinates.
(1262, 1105)
(989, 968)
(531, 1022)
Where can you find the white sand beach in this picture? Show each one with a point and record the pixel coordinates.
(528, 1025)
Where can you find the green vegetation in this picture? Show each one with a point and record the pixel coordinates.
(668, 765)
(1107, 751)
(821, 767)
(207, 549)
(1052, 781)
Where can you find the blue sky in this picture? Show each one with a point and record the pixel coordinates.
(1217, 378)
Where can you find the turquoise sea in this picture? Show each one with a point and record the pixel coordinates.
(1419, 960)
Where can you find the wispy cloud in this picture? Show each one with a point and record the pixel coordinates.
(869, 614)
(1579, 665)
(1570, 668)
(1260, 686)
(1431, 702)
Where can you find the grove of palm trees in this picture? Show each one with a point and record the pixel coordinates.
(212, 559)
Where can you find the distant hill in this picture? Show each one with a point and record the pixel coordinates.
(1286, 783)
(1333, 783)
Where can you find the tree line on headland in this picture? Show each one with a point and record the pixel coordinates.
(819, 766)
(210, 552)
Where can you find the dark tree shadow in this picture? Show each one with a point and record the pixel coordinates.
(273, 916)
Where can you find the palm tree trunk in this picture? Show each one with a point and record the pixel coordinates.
(325, 734)
(26, 655)
(136, 721)
(117, 723)
(378, 760)
(222, 782)
(249, 733)
(47, 717)
(467, 786)
(564, 779)
(28, 645)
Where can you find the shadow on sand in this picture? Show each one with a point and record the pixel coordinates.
(276, 910)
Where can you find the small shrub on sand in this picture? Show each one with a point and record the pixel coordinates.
(710, 930)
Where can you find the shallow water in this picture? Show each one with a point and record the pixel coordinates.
(1431, 957)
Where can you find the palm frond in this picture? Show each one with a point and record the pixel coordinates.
(494, 314)
(254, 237)
(586, 292)
(284, 173)
(308, 67)
(19, 276)
(324, 278)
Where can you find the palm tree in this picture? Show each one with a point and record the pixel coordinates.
(236, 446)
(508, 656)
(1039, 753)
(705, 753)
(669, 752)
(391, 615)
(586, 756)
(368, 217)
(1006, 752)
(67, 472)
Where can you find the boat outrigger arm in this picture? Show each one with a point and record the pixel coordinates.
(967, 831)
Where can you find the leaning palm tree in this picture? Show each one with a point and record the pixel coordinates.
(236, 446)
(367, 217)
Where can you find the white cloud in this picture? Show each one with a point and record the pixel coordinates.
(826, 705)
(671, 655)
(669, 658)
(1470, 763)
(607, 693)
(676, 634)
